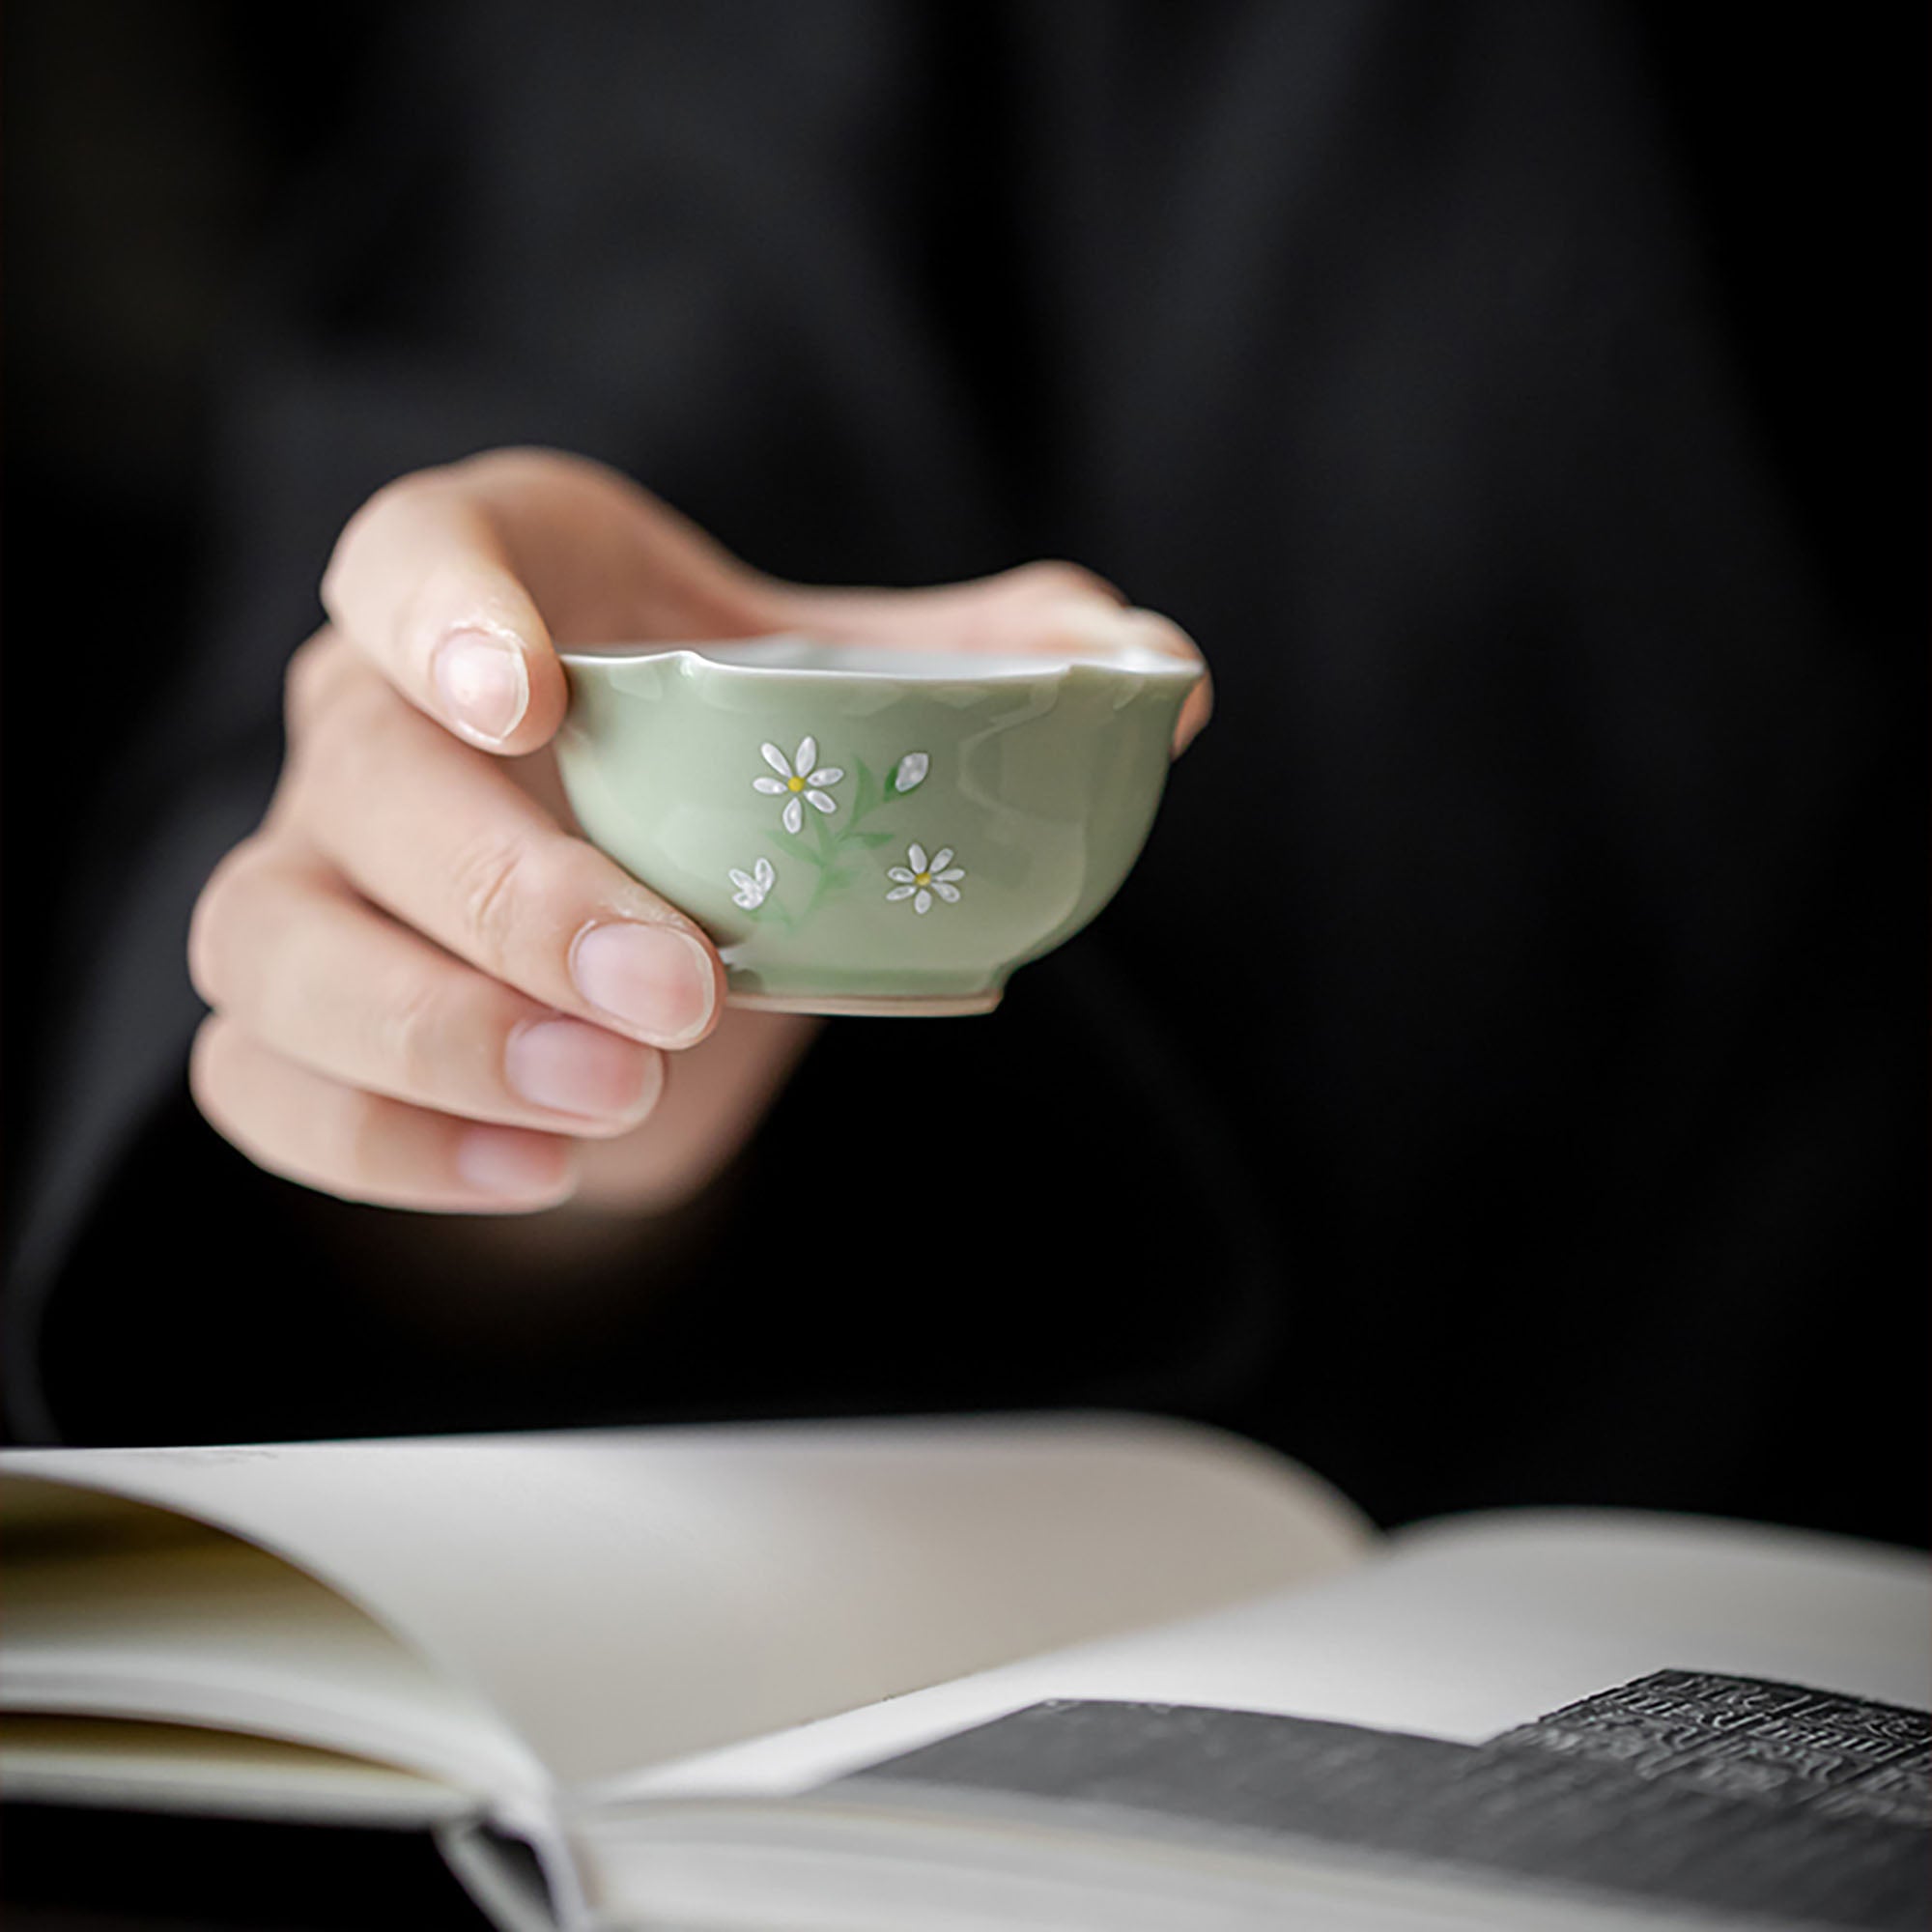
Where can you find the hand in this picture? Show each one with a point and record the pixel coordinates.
(428, 992)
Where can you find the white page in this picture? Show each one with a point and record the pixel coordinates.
(626, 1595)
(160, 1767)
(201, 1627)
(1462, 1630)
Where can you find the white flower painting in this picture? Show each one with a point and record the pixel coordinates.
(836, 855)
(920, 879)
(800, 782)
(752, 886)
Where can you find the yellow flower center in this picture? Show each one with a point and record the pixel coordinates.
(794, 785)
(922, 878)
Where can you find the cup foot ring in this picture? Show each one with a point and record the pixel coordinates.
(861, 1004)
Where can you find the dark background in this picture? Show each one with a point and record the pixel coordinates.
(176, 177)
(151, 149)
(148, 149)
(151, 146)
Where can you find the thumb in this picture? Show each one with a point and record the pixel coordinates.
(421, 583)
(456, 582)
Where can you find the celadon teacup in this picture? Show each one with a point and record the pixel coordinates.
(866, 830)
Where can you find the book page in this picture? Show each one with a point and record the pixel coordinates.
(1460, 1629)
(116, 1609)
(626, 1595)
(159, 1766)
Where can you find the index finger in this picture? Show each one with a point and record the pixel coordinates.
(458, 851)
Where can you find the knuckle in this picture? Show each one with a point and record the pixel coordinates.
(495, 886)
(203, 1071)
(521, 463)
(416, 1028)
(331, 756)
(212, 924)
(306, 684)
(222, 1097)
(1162, 634)
(250, 1121)
(398, 494)
(1056, 577)
(357, 1153)
(507, 460)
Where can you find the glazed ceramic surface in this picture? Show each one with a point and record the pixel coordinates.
(862, 829)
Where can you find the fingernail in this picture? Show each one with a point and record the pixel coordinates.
(483, 683)
(581, 1069)
(514, 1165)
(653, 978)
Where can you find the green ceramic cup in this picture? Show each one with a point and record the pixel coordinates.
(870, 830)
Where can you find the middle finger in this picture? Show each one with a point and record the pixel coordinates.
(285, 950)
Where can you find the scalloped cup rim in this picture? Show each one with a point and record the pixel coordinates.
(765, 657)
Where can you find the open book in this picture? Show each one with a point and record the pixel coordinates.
(1064, 1671)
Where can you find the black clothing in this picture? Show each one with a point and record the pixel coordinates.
(1498, 1080)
